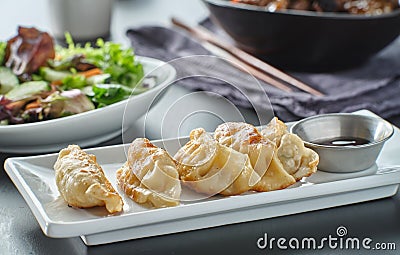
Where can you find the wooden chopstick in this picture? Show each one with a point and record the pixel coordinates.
(260, 75)
(254, 65)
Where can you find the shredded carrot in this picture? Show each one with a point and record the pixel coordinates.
(56, 83)
(35, 104)
(57, 57)
(16, 105)
(91, 72)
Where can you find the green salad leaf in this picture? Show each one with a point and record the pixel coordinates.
(74, 82)
(111, 57)
(3, 46)
(106, 94)
(60, 104)
(79, 78)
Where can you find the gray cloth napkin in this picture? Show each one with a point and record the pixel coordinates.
(374, 86)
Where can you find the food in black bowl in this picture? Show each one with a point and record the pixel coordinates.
(368, 7)
(308, 40)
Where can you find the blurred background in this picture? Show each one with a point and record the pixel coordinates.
(377, 219)
(125, 14)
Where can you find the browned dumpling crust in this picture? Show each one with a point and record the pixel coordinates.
(211, 168)
(275, 178)
(245, 138)
(274, 131)
(150, 176)
(82, 183)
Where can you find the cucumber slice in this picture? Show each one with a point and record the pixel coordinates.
(88, 90)
(8, 80)
(98, 79)
(52, 75)
(27, 89)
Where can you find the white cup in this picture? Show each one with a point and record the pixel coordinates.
(83, 19)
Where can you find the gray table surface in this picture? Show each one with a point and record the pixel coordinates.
(21, 234)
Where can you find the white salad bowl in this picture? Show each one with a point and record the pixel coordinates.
(88, 128)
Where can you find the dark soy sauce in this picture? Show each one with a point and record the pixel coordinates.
(342, 141)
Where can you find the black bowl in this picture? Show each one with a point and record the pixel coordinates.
(305, 40)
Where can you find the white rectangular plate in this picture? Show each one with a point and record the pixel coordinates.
(34, 178)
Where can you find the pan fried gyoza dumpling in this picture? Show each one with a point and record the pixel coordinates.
(82, 183)
(275, 178)
(274, 131)
(150, 176)
(246, 139)
(297, 160)
(211, 168)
